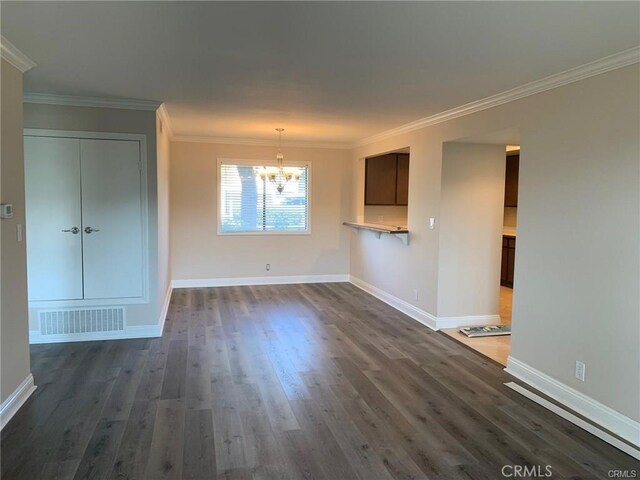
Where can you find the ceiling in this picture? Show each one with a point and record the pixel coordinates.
(325, 71)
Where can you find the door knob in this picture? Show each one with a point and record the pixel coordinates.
(88, 230)
(73, 230)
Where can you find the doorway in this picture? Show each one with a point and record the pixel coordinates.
(498, 347)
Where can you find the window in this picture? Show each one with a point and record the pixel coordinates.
(250, 203)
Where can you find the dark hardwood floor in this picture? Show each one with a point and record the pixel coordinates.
(285, 382)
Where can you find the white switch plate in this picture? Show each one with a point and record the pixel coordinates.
(581, 369)
(432, 223)
(6, 210)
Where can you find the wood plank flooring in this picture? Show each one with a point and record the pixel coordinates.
(316, 381)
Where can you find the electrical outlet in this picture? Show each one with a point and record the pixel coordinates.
(381, 218)
(268, 267)
(415, 294)
(581, 369)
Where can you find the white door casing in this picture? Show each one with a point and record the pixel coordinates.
(54, 251)
(112, 227)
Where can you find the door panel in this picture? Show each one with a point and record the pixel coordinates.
(52, 183)
(111, 206)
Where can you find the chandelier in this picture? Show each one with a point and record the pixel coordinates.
(280, 175)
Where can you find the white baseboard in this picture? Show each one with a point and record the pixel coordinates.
(468, 321)
(14, 401)
(164, 310)
(131, 331)
(143, 331)
(580, 403)
(412, 311)
(242, 281)
(426, 318)
(567, 415)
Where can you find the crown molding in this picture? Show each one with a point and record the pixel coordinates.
(15, 57)
(76, 101)
(257, 142)
(163, 113)
(603, 65)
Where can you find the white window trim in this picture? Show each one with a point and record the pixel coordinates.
(266, 163)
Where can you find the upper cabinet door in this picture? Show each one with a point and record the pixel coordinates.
(402, 184)
(54, 241)
(112, 219)
(511, 181)
(380, 180)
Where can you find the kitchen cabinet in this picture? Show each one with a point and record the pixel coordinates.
(511, 181)
(387, 179)
(402, 180)
(508, 260)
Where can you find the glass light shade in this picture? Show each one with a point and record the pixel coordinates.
(280, 175)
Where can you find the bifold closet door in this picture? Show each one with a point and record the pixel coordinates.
(54, 220)
(111, 218)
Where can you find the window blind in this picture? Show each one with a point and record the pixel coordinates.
(249, 203)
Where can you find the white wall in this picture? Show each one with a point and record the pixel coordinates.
(164, 247)
(471, 211)
(14, 338)
(113, 120)
(198, 252)
(577, 277)
(391, 215)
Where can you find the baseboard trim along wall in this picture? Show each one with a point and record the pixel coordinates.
(412, 311)
(243, 281)
(426, 318)
(14, 401)
(567, 415)
(468, 321)
(165, 310)
(580, 403)
(131, 331)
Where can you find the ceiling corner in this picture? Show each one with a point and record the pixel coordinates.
(14, 56)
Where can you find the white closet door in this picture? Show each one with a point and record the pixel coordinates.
(111, 218)
(54, 251)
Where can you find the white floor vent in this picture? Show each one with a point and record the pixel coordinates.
(82, 320)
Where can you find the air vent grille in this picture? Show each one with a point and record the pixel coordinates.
(82, 320)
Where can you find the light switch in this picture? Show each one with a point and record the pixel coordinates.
(19, 232)
(6, 210)
(432, 223)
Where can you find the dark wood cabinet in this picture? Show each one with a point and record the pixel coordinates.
(402, 180)
(387, 180)
(508, 260)
(511, 181)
